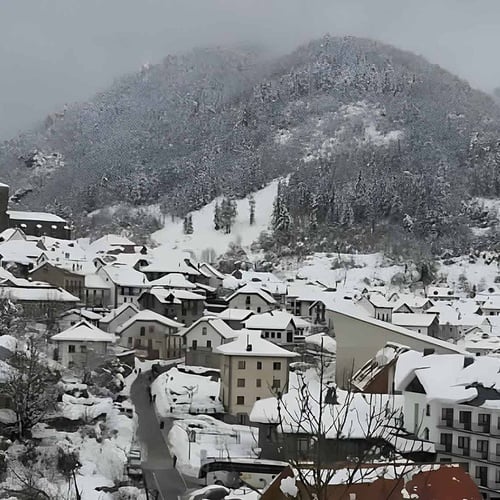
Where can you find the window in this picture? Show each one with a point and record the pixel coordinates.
(143, 331)
(276, 365)
(464, 417)
(241, 365)
(209, 344)
(257, 398)
(482, 475)
(464, 445)
(83, 348)
(426, 434)
(483, 420)
(276, 383)
(258, 382)
(129, 341)
(240, 382)
(240, 400)
(258, 309)
(446, 440)
(71, 348)
(482, 448)
(204, 330)
(194, 344)
(447, 416)
(259, 365)
(151, 328)
(278, 335)
(272, 335)
(497, 476)
(247, 300)
(498, 450)
(428, 410)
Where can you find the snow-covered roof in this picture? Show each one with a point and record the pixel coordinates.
(440, 291)
(37, 294)
(217, 324)
(173, 280)
(83, 332)
(451, 377)
(118, 311)
(413, 319)
(21, 251)
(95, 281)
(211, 269)
(249, 289)
(273, 320)
(12, 232)
(258, 347)
(34, 216)
(492, 303)
(108, 242)
(231, 314)
(169, 261)
(173, 295)
(84, 313)
(380, 301)
(150, 317)
(322, 340)
(125, 276)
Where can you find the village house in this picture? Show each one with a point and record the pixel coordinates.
(279, 327)
(72, 281)
(153, 333)
(425, 323)
(165, 261)
(40, 223)
(451, 400)
(235, 318)
(97, 291)
(251, 298)
(116, 317)
(202, 338)
(491, 306)
(82, 346)
(74, 316)
(214, 277)
(377, 306)
(112, 243)
(441, 293)
(251, 368)
(126, 284)
(180, 305)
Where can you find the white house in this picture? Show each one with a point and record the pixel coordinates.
(117, 317)
(279, 327)
(74, 316)
(425, 323)
(82, 345)
(441, 293)
(453, 401)
(152, 332)
(125, 282)
(208, 333)
(491, 306)
(377, 306)
(235, 318)
(251, 298)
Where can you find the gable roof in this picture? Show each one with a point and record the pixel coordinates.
(248, 289)
(222, 328)
(125, 276)
(173, 280)
(84, 313)
(211, 269)
(232, 314)
(413, 319)
(170, 295)
(274, 320)
(83, 332)
(118, 311)
(34, 216)
(149, 316)
(259, 347)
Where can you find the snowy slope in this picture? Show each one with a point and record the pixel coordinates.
(205, 237)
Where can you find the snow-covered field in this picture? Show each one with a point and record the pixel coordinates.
(205, 237)
(179, 393)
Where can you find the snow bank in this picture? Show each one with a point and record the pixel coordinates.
(9, 342)
(204, 235)
(178, 393)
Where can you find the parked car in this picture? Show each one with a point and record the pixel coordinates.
(134, 460)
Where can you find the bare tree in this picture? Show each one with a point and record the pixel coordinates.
(31, 387)
(353, 432)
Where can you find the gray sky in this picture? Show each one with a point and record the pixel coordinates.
(54, 52)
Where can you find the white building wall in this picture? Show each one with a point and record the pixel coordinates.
(257, 303)
(196, 334)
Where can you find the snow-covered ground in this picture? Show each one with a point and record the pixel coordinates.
(193, 439)
(205, 237)
(178, 393)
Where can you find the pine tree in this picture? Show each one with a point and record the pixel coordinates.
(280, 221)
(251, 203)
(228, 212)
(188, 224)
(217, 217)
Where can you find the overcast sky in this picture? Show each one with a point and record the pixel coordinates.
(54, 52)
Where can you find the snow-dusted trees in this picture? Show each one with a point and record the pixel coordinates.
(251, 205)
(188, 224)
(225, 214)
(11, 317)
(280, 220)
(31, 387)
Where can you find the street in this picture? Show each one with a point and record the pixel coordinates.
(159, 473)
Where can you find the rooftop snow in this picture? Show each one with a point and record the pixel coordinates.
(83, 332)
(259, 347)
(149, 316)
(413, 319)
(231, 314)
(34, 216)
(249, 289)
(173, 280)
(273, 320)
(218, 325)
(116, 312)
(125, 276)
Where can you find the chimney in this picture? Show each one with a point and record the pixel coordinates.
(428, 351)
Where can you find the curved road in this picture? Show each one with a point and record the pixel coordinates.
(159, 472)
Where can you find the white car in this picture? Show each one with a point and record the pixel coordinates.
(134, 460)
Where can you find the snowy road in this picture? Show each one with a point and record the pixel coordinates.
(159, 473)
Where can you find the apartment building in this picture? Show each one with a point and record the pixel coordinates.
(451, 400)
(252, 368)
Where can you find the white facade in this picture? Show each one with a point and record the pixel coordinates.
(208, 333)
(250, 301)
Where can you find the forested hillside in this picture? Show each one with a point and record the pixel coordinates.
(381, 145)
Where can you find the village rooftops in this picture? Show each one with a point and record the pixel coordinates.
(125, 276)
(251, 344)
(34, 216)
(149, 316)
(172, 296)
(83, 332)
(35, 293)
(211, 270)
(84, 313)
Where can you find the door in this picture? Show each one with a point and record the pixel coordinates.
(289, 337)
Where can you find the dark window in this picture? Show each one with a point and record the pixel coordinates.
(241, 365)
(83, 348)
(483, 420)
(143, 331)
(204, 330)
(151, 329)
(428, 410)
(464, 445)
(247, 300)
(482, 448)
(497, 476)
(259, 365)
(447, 416)
(258, 382)
(276, 383)
(130, 341)
(240, 400)
(194, 345)
(258, 309)
(276, 365)
(71, 348)
(240, 382)
(209, 343)
(446, 440)
(482, 475)
(464, 417)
